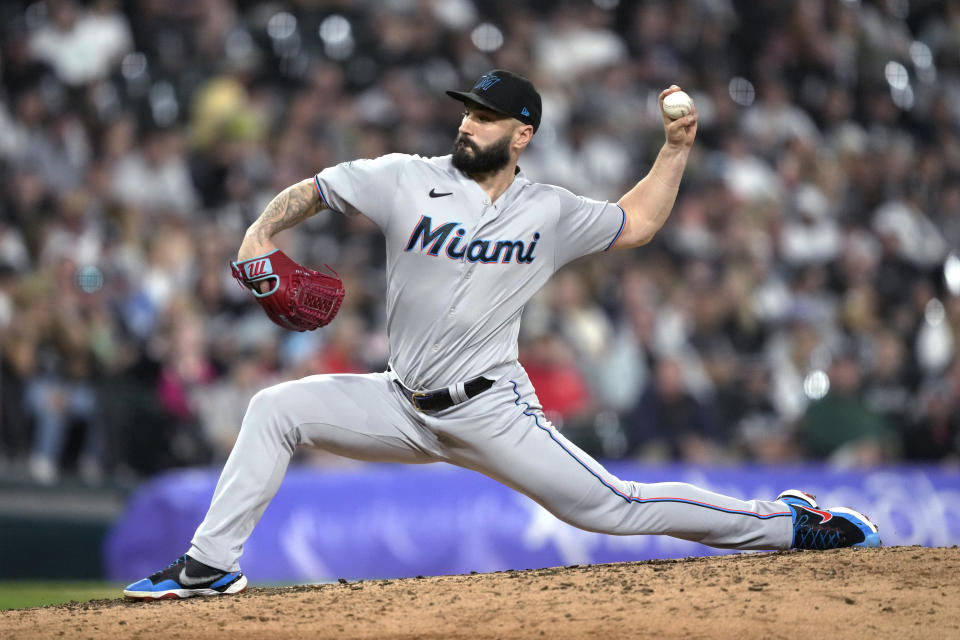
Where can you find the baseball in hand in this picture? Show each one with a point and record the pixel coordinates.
(677, 104)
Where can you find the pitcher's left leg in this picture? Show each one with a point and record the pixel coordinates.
(512, 442)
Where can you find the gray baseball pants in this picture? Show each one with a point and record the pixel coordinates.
(501, 433)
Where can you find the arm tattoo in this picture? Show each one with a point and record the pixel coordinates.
(291, 206)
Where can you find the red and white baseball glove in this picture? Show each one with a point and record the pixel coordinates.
(297, 298)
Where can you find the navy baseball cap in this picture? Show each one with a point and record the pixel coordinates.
(507, 93)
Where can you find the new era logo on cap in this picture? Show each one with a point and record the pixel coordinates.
(524, 112)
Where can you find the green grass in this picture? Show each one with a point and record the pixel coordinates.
(17, 594)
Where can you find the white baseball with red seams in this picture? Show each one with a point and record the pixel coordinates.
(677, 104)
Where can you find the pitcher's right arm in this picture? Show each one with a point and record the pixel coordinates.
(290, 207)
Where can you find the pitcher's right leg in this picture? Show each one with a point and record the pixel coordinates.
(357, 416)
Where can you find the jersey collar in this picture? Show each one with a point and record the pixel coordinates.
(519, 182)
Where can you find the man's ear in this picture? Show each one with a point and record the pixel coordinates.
(522, 136)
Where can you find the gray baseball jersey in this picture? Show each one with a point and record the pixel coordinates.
(459, 267)
(459, 271)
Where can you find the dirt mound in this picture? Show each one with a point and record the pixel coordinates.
(903, 592)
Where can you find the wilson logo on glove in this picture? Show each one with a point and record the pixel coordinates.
(296, 298)
(258, 267)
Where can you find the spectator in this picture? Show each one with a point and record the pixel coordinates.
(935, 433)
(185, 372)
(794, 353)
(890, 384)
(561, 387)
(915, 237)
(220, 408)
(81, 46)
(157, 178)
(775, 119)
(840, 426)
(18, 364)
(754, 422)
(59, 395)
(625, 367)
(669, 420)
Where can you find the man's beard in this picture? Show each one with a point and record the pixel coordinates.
(493, 158)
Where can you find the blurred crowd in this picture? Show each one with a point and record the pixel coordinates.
(802, 303)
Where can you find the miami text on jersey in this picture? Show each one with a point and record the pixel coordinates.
(480, 250)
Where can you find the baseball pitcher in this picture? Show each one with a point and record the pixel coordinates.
(469, 240)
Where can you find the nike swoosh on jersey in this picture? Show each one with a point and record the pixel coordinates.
(434, 194)
(187, 581)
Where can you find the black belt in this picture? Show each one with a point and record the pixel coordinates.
(441, 399)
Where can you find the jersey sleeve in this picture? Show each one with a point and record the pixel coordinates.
(586, 226)
(363, 186)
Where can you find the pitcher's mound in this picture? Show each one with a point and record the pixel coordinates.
(901, 592)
